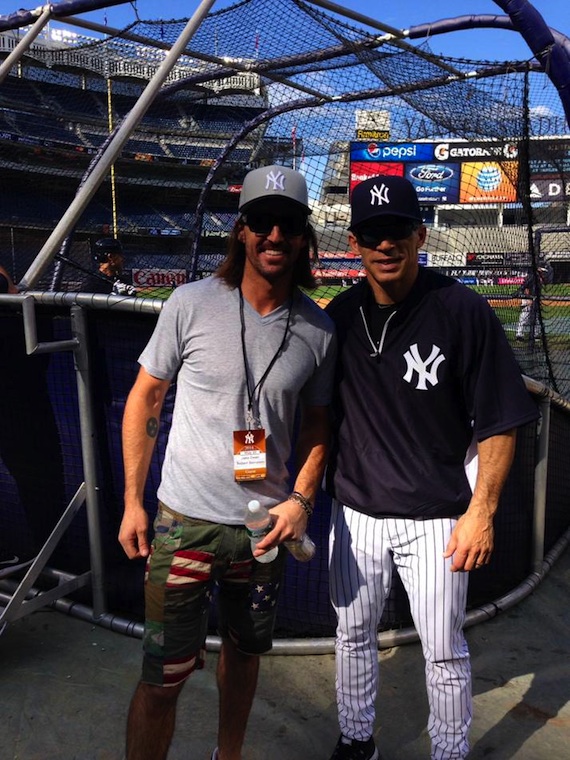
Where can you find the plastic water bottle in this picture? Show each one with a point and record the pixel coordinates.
(258, 523)
(303, 549)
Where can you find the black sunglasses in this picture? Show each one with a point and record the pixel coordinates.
(372, 236)
(263, 223)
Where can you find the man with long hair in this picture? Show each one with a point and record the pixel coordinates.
(248, 350)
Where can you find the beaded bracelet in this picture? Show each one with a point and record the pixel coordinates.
(302, 501)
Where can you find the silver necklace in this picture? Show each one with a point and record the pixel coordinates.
(376, 347)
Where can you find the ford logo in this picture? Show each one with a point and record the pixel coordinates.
(431, 173)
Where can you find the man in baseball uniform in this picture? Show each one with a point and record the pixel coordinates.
(108, 257)
(529, 292)
(424, 367)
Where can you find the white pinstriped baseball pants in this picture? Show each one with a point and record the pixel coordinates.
(363, 552)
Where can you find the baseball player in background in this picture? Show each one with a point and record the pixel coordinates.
(424, 367)
(108, 257)
(529, 293)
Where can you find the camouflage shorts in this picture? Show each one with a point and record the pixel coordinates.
(190, 561)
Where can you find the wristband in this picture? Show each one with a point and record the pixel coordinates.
(302, 501)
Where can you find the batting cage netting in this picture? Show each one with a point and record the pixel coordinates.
(339, 97)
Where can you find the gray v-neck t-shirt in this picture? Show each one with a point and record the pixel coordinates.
(197, 341)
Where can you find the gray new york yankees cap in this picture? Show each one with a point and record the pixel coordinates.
(274, 182)
(386, 195)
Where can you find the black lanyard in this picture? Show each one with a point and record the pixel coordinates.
(257, 387)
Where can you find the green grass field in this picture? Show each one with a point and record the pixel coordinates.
(322, 292)
(506, 306)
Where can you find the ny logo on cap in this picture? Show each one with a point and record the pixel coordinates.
(276, 180)
(379, 194)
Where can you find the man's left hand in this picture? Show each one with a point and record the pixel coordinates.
(471, 543)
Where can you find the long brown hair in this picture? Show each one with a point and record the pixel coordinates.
(231, 268)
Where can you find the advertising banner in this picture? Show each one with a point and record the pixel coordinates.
(361, 170)
(549, 189)
(153, 278)
(399, 152)
(489, 182)
(450, 172)
(435, 183)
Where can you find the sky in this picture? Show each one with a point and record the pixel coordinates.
(479, 44)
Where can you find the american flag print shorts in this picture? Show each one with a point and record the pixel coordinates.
(191, 563)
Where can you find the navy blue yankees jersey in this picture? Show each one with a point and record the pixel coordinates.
(415, 383)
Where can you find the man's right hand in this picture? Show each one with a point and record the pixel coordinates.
(133, 533)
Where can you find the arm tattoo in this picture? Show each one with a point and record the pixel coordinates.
(152, 427)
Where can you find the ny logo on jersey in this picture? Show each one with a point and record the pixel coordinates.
(427, 370)
(379, 194)
(275, 180)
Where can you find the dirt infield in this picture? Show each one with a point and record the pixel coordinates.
(515, 303)
(495, 303)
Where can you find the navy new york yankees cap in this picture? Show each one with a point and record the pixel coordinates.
(104, 247)
(274, 182)
(386, 195)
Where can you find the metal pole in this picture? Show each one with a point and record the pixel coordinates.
(132, 304)
(31, 333)
(88, 436)
(540, 481)
(359, 17)
(24, 43)
(397, 37)
(130, 122)
(113, 177)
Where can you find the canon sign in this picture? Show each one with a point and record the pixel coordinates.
(153, 278)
